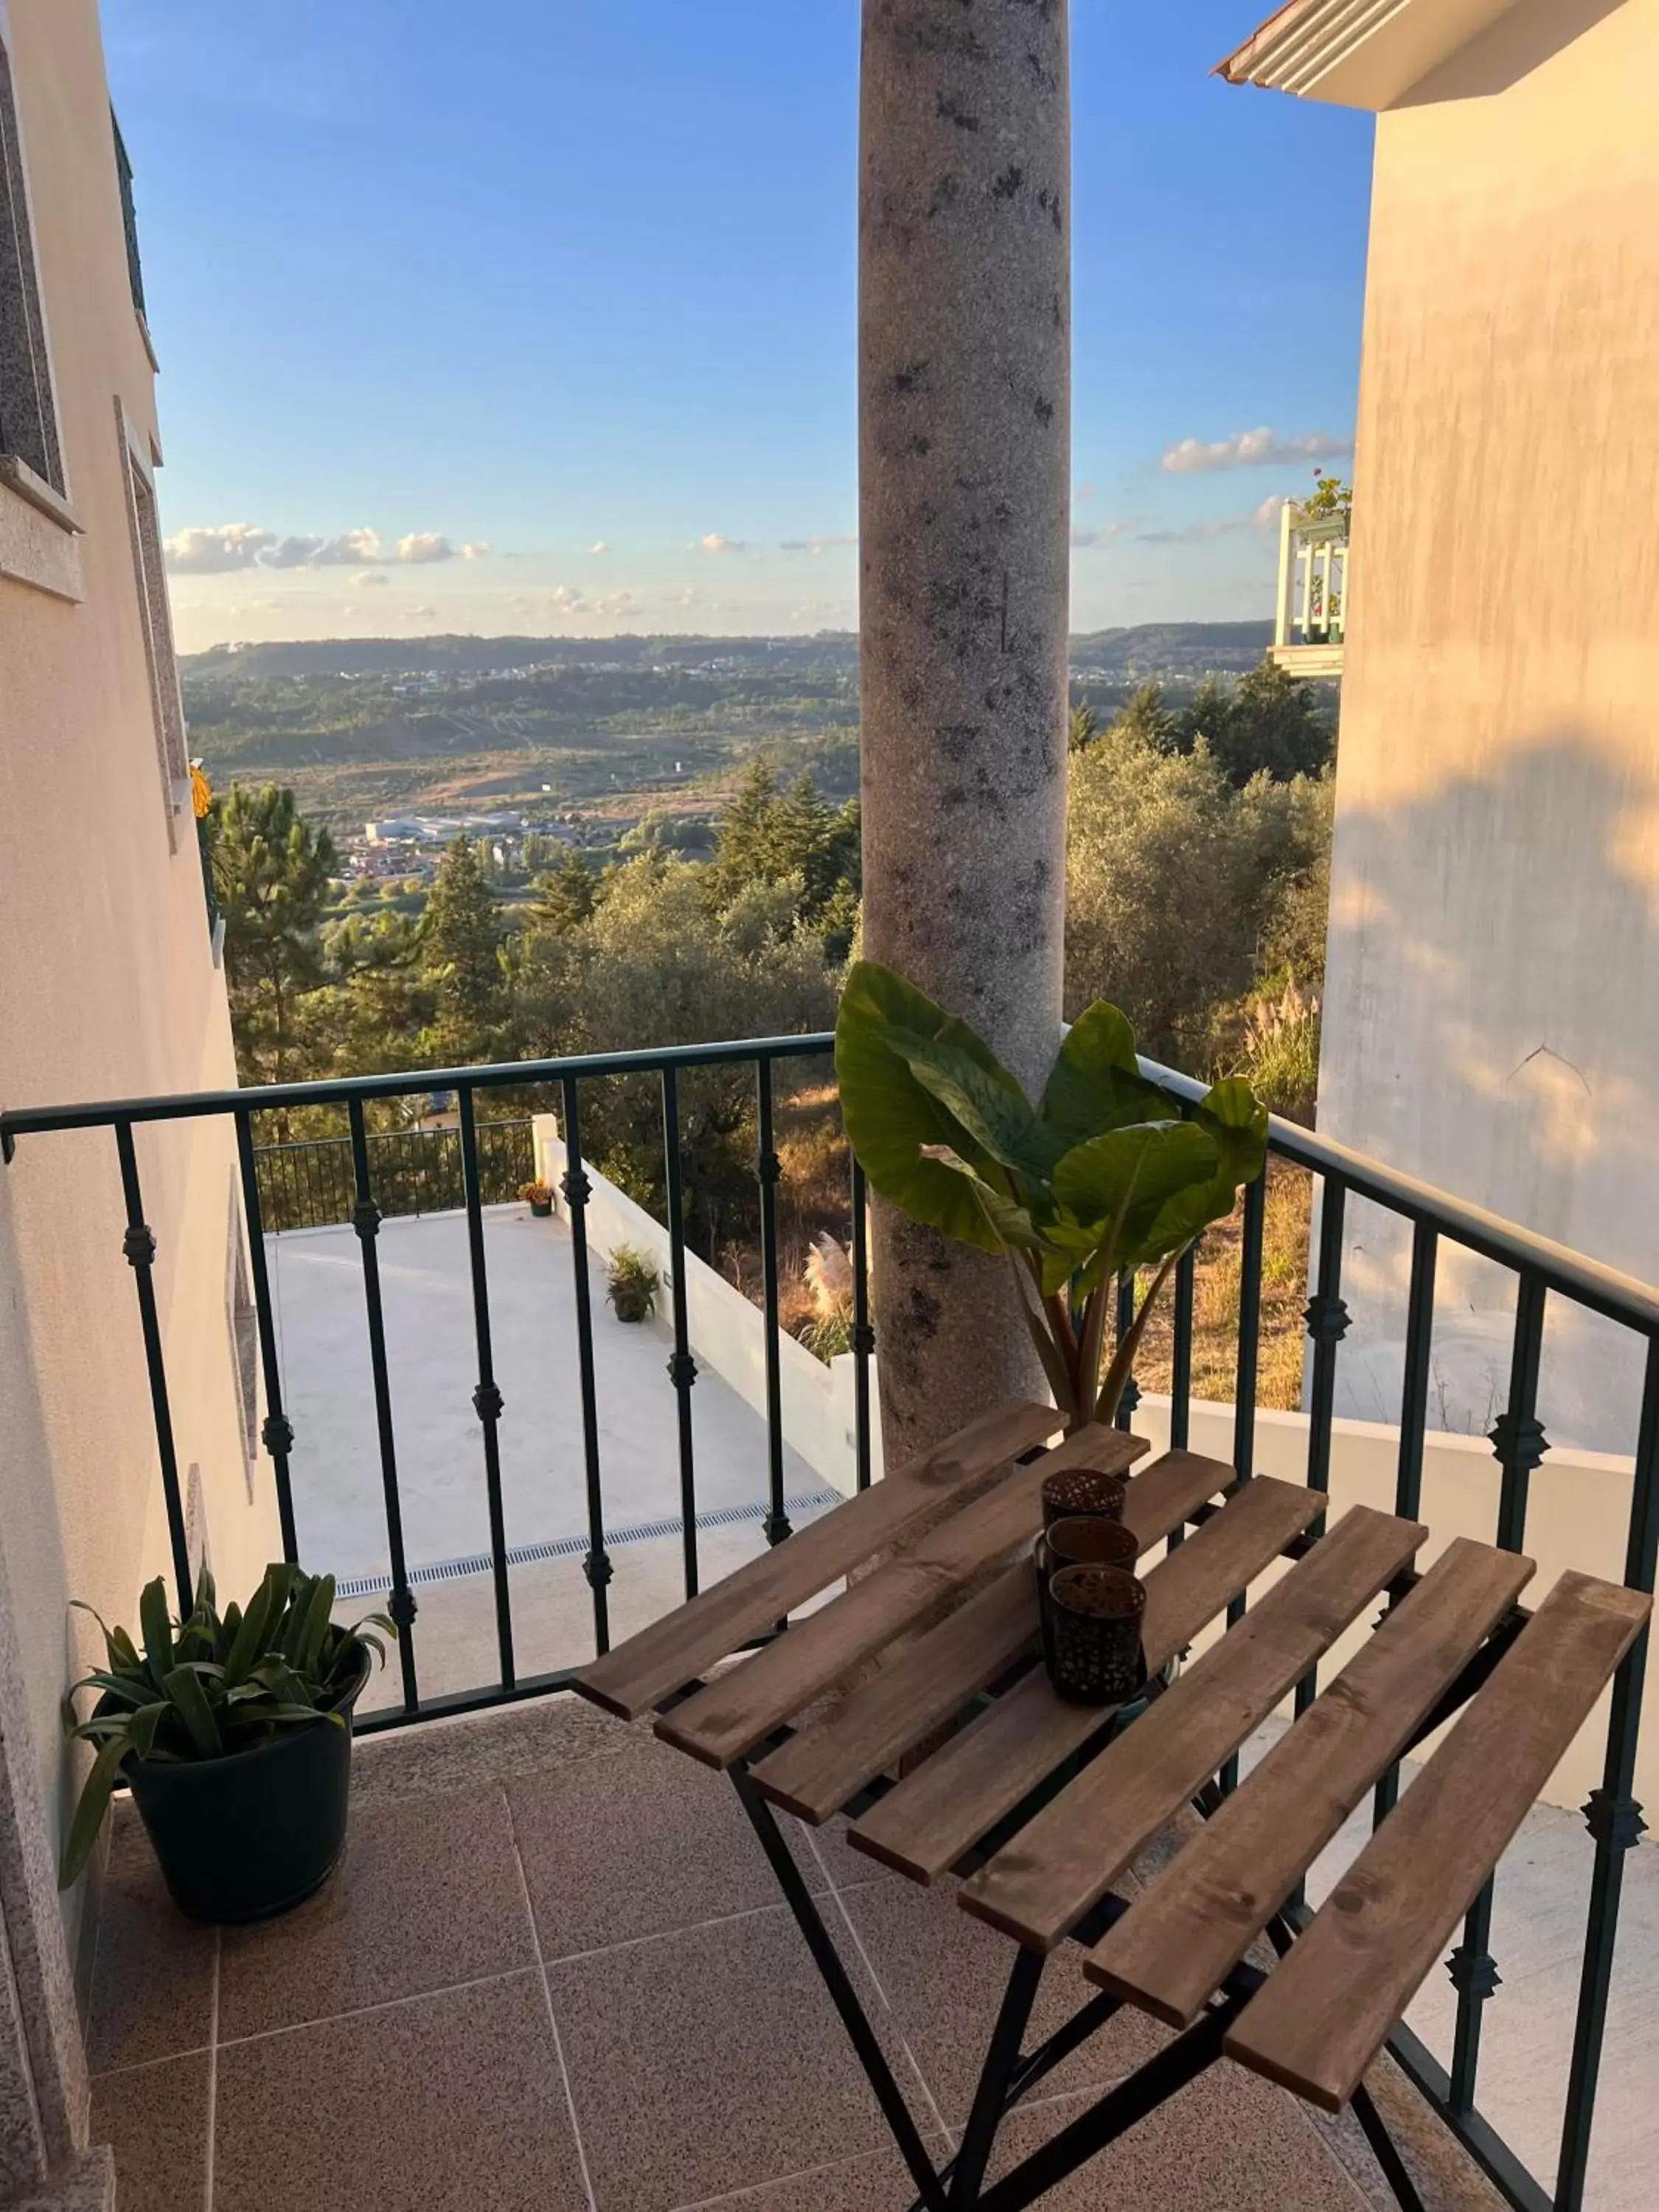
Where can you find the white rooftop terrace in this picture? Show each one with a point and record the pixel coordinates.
(339, 1503)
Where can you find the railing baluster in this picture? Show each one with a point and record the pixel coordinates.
(1613, 1815)
(1249, 1330)
(277, 1431)
(682, 1368)
(1413, 1425)
(366, 1220)
(1518, 1441)
(1181, 1365)
(1126, 1315)
(864, 1337)
(487, 1400)
(596, 1567)
(1326, 1320)
(139, 1246)
(767, 1167)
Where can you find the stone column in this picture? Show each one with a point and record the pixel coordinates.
(964, 458)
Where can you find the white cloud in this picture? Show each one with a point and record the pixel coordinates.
(598, 548)
(214, 550)
(476, 549)
(369, 577)
(1083, 538)
(615, 603)
(421, 614)
(352, 549)
(425, 545)
(815, 544)
(1253, 449)
(716, 542)
(1267, 515)
(568, 599)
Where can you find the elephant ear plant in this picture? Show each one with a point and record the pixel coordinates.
(1105, 1178)
(204, 1688)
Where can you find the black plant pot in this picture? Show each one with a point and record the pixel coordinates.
(247, 1836)
(541, 1208)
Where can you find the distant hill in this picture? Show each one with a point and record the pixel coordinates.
(1178, 650)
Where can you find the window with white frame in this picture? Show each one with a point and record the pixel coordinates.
(29, 421)
(156, 616)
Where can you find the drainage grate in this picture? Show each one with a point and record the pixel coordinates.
(565, 1547)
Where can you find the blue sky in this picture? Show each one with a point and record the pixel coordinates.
(536, 277)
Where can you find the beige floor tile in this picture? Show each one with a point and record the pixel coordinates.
(155, 2118)
(426, 1896)
(447, 2104)
(152, 1976)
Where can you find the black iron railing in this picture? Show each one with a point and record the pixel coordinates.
(309, 1183)
(363, 1186)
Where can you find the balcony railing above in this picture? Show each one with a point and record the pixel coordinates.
(1313, 592)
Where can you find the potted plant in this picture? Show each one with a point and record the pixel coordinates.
(1109, 1176)
(631, 1284)
(538, 1197)
(233, 1733)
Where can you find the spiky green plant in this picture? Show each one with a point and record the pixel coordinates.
(631, 1284)
(212, 1683)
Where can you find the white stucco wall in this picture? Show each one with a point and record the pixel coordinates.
(1492, 1015)
(107, 986)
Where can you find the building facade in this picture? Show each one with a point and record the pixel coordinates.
(1491, 1019)
(111, 985)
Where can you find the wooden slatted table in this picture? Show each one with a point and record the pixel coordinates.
(1040, 1806)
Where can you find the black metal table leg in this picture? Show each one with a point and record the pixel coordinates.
(827, 1958)
(1001, 2061)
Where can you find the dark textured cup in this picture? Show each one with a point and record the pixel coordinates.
(1083, 1493)
(1076, 1542)
(1092, 1622)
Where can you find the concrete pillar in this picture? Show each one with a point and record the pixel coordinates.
(964, 455)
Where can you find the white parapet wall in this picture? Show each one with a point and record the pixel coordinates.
(726, 1330)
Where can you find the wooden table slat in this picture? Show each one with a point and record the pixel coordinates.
(922, 1827)
(742, 1706)
(1041, 1885)
(1327, 2008)
(815, 1773)
(638, 1673)
(1178, 1942)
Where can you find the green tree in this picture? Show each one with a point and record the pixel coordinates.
(1145, 715)
(565, 893)
(772, 837)
(1082, 729)
(273, 870)
(1172, 877)
(460, 946)
(1268, 720)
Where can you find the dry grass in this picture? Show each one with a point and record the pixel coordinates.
(1215, 1302)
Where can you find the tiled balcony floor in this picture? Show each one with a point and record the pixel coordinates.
(553, 1972)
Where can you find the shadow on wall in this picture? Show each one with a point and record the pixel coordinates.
(1492, 1025)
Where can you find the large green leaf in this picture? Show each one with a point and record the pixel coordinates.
(1096, 1082)
(991, 1108)
(890, 1117)
(1011, 1221)
(1236, 1122)
(189, 1700)
(1124, 1176)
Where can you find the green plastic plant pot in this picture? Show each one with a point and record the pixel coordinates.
(247, 1836)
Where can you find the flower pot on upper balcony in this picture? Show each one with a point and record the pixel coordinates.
(234, 1734)
(538, 1197)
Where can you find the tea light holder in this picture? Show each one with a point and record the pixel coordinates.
(1084, 1492)
(1092, 1622)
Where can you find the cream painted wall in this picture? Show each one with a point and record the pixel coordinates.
(1492, 1001)
(107, 984)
